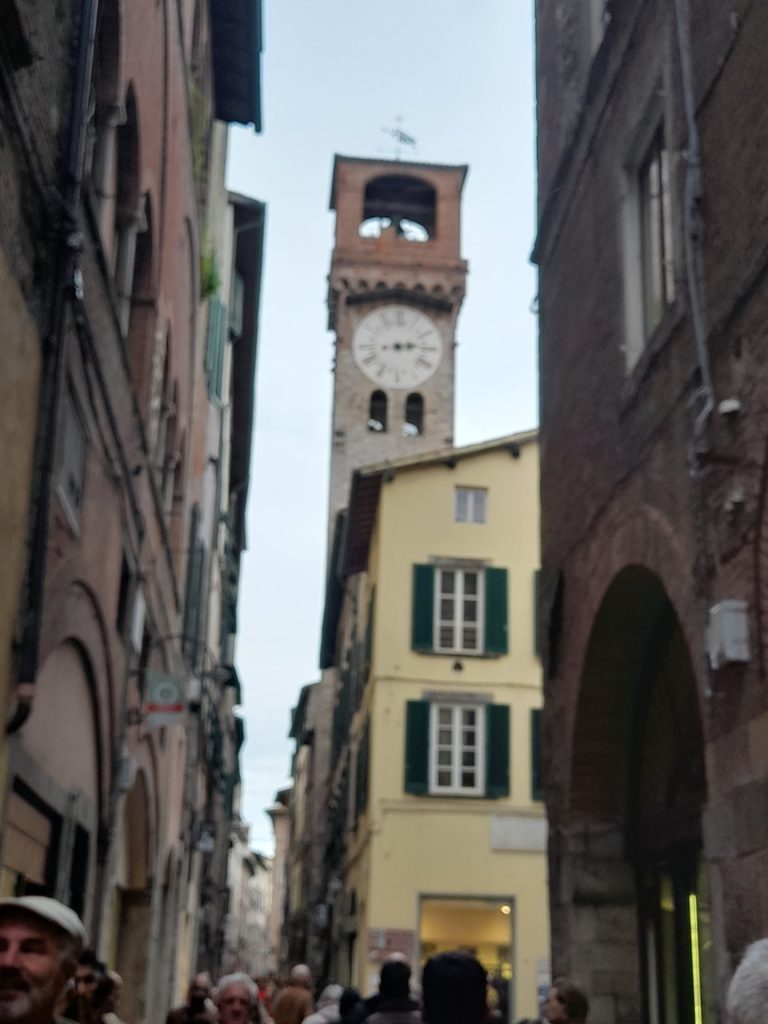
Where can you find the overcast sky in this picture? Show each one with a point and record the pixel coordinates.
(337, 72)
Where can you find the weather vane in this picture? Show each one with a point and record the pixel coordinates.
(401, 138)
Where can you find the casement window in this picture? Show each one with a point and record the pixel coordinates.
(459, 609)
(649, 259)
(470, 505)
(362, 771)
(72, 458)
(596, 14)
(218, 331)
(655, 232)
(537, 788)
(457, 748)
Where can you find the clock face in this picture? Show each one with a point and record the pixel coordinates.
(397, 346)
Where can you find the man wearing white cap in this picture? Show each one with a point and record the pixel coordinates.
(40, 940)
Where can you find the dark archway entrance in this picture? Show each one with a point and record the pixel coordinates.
(638, 777)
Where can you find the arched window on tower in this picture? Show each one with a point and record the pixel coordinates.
(403, 202)
(377, 412)
(414, 415)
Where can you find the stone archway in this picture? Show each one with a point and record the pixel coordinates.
(627, 863)
(49, 841)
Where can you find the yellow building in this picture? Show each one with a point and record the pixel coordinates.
(429, 632)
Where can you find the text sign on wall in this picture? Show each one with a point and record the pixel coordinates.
(384, 941)
(164, 704)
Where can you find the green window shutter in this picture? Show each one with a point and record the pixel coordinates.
(537, 789)
(536, 615)
(369, 633)
(216, 339)
(497, 750)
(423, 612)
(417, 747)
(495, 611)
(362, 773)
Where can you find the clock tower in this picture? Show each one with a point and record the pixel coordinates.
(396, 285)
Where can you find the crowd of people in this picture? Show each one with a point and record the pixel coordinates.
(48, 975)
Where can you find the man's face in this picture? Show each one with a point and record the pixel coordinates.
(32, 975)
(86, 981)
(554, 1009)
(235, 1005)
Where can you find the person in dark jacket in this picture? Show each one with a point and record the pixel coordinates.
(566, 1003)
(392, 1004)
(454, 990)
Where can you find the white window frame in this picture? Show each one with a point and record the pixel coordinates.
(648, 241)
(73, 456)
(457, 623)
(597, 20)
(475, 500)
(457, 748)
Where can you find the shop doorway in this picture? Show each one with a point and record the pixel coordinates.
(482, 927)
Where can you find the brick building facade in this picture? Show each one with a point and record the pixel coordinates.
(123, 535)
(653, 211)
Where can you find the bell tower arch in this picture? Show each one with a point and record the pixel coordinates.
(396, 285)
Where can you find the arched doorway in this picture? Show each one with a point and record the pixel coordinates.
(638, 773)
(52, 813)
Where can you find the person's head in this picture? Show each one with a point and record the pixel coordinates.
(301, 975)
(394, 979)
(104, 997)
(453, 989)
(236, 997)
(330, 996)
(565, 1003)
(199, 991)
(748, 991)
(40, 940)
(350, 997)
(88, 973)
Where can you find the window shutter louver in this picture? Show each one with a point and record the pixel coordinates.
(218, 327)
(497, 750)
(495, 611)
(362, 773)
(417, 747)
(423, 611)
(537, 790)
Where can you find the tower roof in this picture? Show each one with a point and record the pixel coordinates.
(402, 167)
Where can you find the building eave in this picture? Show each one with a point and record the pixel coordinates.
(400, 166)
(237, 44)
(367, 481)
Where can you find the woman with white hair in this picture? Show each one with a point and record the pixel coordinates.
(327, 1006)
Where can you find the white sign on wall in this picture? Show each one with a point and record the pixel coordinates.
(164, 702)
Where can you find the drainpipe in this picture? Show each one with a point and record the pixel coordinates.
(693, 221)
(66, 280)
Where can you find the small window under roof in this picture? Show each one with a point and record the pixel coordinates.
(399, 198)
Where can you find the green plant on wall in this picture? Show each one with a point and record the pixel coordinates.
(210, 279)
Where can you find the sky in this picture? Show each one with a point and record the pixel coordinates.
(457, 75)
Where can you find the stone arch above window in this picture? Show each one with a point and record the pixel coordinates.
(377, 412)
(414, 415)
(402, 201)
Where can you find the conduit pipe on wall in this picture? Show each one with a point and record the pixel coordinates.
(64, 283)
(693, 221)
